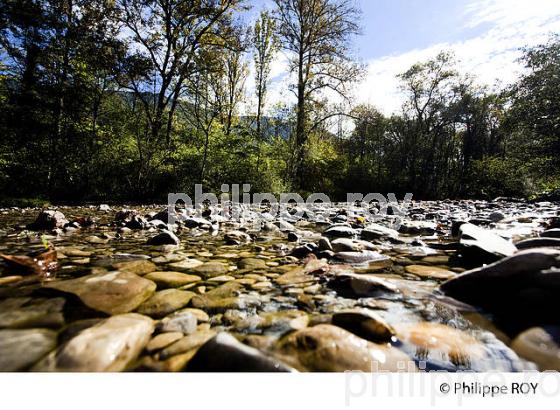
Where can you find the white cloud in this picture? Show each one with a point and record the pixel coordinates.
(491, 57)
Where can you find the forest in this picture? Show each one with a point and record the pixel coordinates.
(128, 100)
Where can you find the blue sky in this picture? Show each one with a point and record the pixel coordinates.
(397, 26)
(485, 36)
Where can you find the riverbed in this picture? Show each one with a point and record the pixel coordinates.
(99, 288)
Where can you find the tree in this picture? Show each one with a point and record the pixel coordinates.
(53, 51)
(316, 34)
(431, 89)
(265, 45)
(235, 72)
(165, 38)
(535, 111)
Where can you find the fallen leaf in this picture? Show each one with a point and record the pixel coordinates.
(39, 263)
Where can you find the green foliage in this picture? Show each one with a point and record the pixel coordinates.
(87, 113)
(492, 177)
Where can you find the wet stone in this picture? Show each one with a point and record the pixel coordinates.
(513, 287)
(442, 347)
(184, 322)
(165, 302)
(482, 245)
(365, 324)
(48, 220)
(111, 292)
(252, 264)
(109, 346)
(340, 231)
(185, 265)
(224, 353)
(538, 243)
(431, 272)
(138, 267)
(169, 279)
(163, 340)
(27, 312)
(361, 257)
(211, 269)
(540, 345)
(327, 348)
(187, 343)
(164, 238)
(20, 349)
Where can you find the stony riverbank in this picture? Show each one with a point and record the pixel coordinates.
(461, 285)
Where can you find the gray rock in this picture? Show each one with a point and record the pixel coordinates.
(496, 216)
(345, 245)
(20, 349)
(361, 285)
(236, 238)
(293, 237)
(184, 322)
(324, 244)
(194, 222)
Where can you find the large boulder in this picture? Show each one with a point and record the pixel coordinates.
(522, 288)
